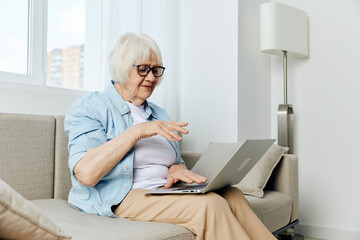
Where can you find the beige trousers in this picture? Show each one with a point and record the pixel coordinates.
(222, 215)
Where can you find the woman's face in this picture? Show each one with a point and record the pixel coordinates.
(140, 88)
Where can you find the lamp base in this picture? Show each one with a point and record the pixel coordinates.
(286, 126)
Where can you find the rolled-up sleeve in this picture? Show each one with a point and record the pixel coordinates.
(85, 131)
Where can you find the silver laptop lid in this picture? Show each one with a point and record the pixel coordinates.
(231, 168)
(214, 158)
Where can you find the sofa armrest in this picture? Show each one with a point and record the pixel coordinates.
(285, 179)
(190, 158)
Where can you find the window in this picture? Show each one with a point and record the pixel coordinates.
(65, 43)
(14, 41)
(43, 42)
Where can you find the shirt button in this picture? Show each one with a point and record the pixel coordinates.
(126, 167)
(125, 187)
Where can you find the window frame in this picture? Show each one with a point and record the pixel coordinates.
(37, 49)
(37, 23)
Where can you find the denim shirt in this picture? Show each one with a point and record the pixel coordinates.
(90, 122)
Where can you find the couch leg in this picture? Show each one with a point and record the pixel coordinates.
(289, 234)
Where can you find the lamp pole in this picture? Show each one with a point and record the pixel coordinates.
(285, 75)
(286, 115)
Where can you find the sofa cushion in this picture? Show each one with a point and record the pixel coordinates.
(27, 154)
(255, 181)
(81, 225)
(273, 209)
(19, 219)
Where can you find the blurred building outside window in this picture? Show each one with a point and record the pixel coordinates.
(65, 43)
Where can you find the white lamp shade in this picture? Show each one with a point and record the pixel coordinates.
(283, 28)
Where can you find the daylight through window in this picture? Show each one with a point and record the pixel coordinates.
(14, 40)
(65, 43)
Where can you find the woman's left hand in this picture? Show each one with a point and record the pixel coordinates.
(180, 172)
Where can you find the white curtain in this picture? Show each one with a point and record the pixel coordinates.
(160, 20)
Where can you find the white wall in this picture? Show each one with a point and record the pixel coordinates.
(224, 79)
(254, 78)
(164, 28)
(325, 92)
(33, 99)
(208, 77)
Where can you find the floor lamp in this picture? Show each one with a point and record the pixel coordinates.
(284, 32)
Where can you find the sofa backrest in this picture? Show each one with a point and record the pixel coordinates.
(34, 155)
(27, 154)
(62, 180)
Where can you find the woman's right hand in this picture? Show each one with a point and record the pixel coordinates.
(164, 128)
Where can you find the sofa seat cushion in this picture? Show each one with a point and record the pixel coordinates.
(80, 225)
(273, 209)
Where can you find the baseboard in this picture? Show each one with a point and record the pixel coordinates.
(326, 233)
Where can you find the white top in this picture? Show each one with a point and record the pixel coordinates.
(152, 156)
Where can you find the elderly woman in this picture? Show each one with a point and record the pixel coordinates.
(121, 145)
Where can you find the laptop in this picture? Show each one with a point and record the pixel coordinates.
(223, 164)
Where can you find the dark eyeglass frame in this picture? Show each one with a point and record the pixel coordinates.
(150, 69)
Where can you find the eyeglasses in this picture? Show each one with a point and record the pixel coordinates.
(144, 70)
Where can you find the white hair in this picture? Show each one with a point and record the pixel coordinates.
(131, 49)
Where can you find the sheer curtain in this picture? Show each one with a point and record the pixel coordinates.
(160, 20)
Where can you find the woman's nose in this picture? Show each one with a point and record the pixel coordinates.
(150, 77)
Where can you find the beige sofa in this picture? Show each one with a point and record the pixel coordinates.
(33, 161)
